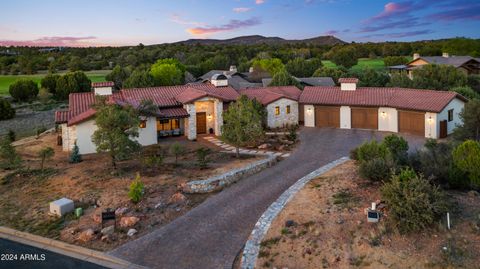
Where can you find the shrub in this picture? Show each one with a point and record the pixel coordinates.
(11, 135)
(292, 132)
(75, 156)
(457, 179)
(202, 157)
(9, 159)
(413, 203)
(177, 149)
(467, 92)
(6, 110)
(137, 190)
(23, 90)
(435, 160)
(153, 161)
(467, 158)
(354, 154)
(41, 130)
(371, 150)
(45, 154)
(398, 148)
(376, 169)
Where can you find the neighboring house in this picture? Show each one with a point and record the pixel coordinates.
(187, 109)
(433, 114)
(466, 64)
(281, 104)
(311, 81)
(235, 79)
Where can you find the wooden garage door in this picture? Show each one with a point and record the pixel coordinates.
(411, 122)
(327, 116)
(201, 123)
(365, 117)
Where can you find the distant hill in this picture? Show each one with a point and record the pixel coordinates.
(258, 39)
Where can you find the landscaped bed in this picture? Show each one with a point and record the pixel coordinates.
(95, 186)
(324, 226)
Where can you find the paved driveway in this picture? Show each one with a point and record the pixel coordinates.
(212, 234)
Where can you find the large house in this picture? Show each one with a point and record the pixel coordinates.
(197, 108)
(183, 110)
(466, 64)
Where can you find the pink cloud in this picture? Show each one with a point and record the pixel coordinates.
(259, 2)
(53, 41)
(241, 9)
(232, 25)
(331, 32)
(393, 9)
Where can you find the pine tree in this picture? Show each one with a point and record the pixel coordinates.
(75, 156)
(9, 158)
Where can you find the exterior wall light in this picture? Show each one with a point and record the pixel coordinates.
(430, 120)
(309, 111)
(209, 117)
(384, 114)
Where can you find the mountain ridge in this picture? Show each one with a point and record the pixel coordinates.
(259, 39)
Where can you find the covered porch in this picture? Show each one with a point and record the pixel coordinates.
(205, 117)
(170, 122)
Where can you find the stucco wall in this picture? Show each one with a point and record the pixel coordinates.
(103, 90)
(148, 135)
(389, 120)
(457, 105)
(283, 119)
(345, 117)
(309, 111)
(85, 131)
(348, 86)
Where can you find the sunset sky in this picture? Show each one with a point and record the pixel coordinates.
(125, 22)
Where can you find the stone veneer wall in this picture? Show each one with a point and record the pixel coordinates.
(218, 182)
(218, 112)
(191, 122)
(69, 135)
(283, 119)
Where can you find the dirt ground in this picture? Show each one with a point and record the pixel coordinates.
(92, 184)
(330, 230)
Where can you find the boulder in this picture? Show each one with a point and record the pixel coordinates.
(264, 146)
(121, 211)
(473, 194)
(108, 230)
(131, 232)
(86, 236)
(128, 221)
(97, 218)
(177, 198)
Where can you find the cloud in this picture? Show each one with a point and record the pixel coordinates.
(393, 9)
(465, 12)
(407, 22)
(176, 18)
(259, 2)
(331, 32)
(241, 9)
(401, 34)
(231, 26)
(52, 41)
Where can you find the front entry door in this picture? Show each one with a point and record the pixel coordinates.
(201, 122)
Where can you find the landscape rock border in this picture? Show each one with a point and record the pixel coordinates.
(252, 246)
(220, 181)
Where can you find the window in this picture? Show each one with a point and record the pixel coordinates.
(288, 109)
(277, 110)
(143, 124)
(168, 124)
(450, 115)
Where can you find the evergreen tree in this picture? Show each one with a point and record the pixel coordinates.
(75, 156)
(9, 159)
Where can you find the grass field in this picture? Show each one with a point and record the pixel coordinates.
(376, 64)
(7, 80)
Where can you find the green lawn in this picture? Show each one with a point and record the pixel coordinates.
(7, 80)
(376, 64)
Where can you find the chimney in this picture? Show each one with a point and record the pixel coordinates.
(445, 55)
(348, 84)
(233, 68)
(219, 80)
(416, 56)
(103, 88)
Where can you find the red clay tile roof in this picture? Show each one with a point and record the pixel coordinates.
(163, 97)
(348, 80)
(103, 84)
(401, 98)
(174, 112)
(269, 95)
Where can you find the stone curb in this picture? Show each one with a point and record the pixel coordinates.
(252, 246)
(66, 249)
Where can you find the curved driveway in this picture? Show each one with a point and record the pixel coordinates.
(212, 234)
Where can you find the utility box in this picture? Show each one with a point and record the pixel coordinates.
(61, 207)
(373, 216)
